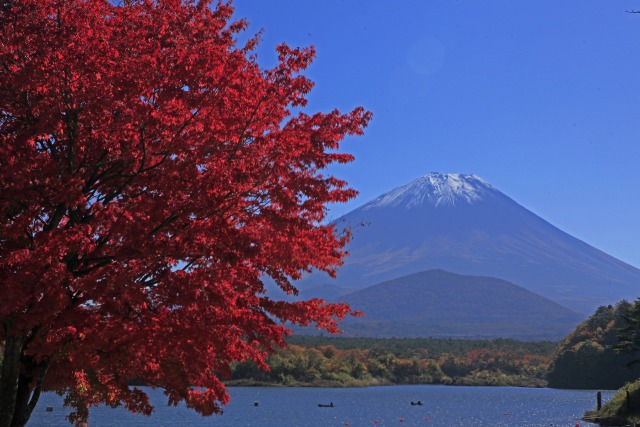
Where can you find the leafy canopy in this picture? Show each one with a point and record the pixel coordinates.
(152, 176)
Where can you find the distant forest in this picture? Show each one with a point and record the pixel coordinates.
(323, 361)
(585, 359)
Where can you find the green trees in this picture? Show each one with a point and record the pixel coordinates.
(624, 407)
(587, 358)
(629, 334)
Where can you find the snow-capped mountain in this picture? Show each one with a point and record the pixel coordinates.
(461, 224)
(435, 189)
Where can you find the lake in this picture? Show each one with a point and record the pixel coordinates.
(444, 406)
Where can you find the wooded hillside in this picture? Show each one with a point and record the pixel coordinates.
(585, 359)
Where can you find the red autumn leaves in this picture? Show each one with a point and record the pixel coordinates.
(152, 177)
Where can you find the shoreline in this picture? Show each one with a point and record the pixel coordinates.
(330, 384)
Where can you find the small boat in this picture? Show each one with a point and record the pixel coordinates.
(321, 405)
(418, 403)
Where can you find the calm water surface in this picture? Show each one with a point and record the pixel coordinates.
(444, 406)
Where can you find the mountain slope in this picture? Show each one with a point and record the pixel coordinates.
(460, 223)
(437, 303)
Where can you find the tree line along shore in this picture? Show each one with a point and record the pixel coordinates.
(347, 362)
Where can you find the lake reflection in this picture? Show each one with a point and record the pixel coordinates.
(444, 406)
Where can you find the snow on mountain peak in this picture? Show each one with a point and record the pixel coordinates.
(435, 189)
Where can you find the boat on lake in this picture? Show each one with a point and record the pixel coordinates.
(322, 405)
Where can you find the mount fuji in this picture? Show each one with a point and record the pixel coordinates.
(461, 224)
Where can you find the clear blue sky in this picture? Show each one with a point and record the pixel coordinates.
(540, 99)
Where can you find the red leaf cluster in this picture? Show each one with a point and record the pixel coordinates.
(152, 176)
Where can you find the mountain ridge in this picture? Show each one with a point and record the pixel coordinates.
(439, 304)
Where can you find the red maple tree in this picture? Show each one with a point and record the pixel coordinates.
(152, 177)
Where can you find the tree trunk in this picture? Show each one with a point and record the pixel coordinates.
(10, 377)
(26, 399)
(22, 403)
